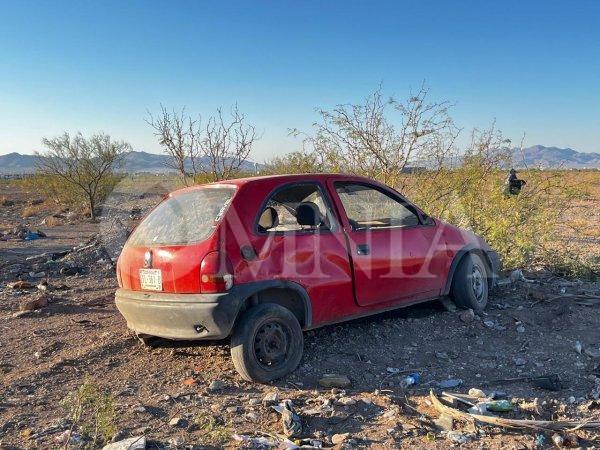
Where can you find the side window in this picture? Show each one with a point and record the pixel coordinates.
(296, 207)
(368, 208)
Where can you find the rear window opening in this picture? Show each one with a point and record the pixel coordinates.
(184, 218)
(281, 212)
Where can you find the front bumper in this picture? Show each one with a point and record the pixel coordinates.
(495, 265)
(179, 316)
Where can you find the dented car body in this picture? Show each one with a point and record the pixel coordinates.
(261, 259)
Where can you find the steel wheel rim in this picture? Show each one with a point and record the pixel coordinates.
(477, 283)
(271, 344)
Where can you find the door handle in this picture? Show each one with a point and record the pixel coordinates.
(363, 249)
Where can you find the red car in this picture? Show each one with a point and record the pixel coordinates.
(261, 259)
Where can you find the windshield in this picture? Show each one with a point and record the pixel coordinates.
(184, 218)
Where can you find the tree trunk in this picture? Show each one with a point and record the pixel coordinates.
(92, 205)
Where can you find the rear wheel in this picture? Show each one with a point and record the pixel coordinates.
(267, 343)
(470, 283)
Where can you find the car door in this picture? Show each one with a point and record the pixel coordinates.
(395, 255)
(314, 256)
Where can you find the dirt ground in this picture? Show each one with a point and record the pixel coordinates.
(543, 325)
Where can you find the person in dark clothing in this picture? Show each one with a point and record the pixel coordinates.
(512, 185)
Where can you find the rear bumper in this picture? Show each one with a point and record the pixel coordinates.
(179, 316)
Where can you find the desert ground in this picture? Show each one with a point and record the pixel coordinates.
(188, 395)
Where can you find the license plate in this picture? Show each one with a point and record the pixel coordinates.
(151, 279)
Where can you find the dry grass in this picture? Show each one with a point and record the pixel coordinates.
(52, 221)
(32, 211)
(43, 207)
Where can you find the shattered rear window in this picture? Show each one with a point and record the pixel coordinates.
(184, 218)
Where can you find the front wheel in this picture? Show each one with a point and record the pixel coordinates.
(267, 343)
(470, 283)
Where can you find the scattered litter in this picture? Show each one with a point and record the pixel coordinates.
(134, 443)
(558, 440)
(499, 406)
(540, 440)
(413, 378)
(332, 380)
(477, 393)
(592, 353)
(497, 395)
(578, 347)
(257, 442)
(325, 407)
(292, 425)
(272, 441)
(271, 398)
(479, 408)
(454, 397)
(458, 437)
(544, 425)
(450, 383)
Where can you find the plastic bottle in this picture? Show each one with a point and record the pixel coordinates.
(409, 380)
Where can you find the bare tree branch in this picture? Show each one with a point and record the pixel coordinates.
(217, 149)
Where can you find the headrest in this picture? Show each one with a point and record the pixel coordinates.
(268, 219)
(307, 213)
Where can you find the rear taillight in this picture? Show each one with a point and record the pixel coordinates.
(216, 273)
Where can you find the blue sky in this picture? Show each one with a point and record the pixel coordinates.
(534, 66)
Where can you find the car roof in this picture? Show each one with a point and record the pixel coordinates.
(282, 179)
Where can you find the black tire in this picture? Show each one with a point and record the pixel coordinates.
(470, 285)
(267, 343)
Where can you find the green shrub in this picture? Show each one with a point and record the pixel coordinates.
(92, 414)
(54, 187)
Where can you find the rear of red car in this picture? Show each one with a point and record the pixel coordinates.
(173, 278)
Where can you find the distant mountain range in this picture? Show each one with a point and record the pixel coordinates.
(135, 162)
(554, 157)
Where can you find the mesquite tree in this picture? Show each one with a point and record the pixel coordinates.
(84, 164)
(380, 137)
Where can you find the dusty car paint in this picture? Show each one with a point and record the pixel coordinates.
(404, 265)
